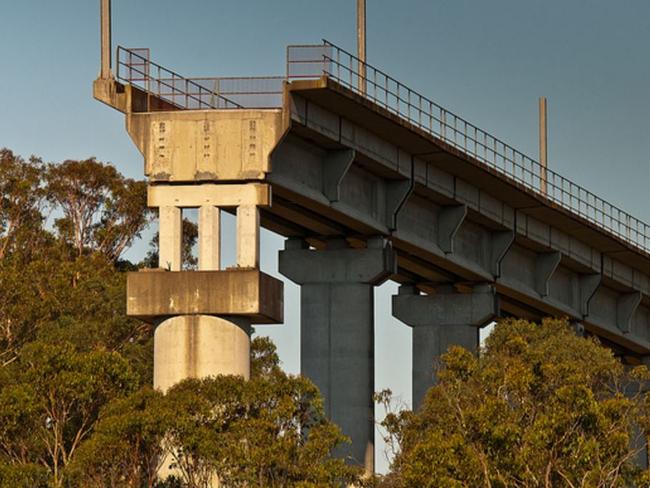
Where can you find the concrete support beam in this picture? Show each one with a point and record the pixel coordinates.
(224, 195)
(501, 242)
(152, 295)
(626, 305)
(589, 284)
(170, 238)
(248, 236)
(449, 221)
(209, 238)
(440, 321)
(335, 166)
(397, 192)
(337, 331)
(197, 346)
(545, 266)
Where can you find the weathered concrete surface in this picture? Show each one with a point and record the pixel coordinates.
(197, 346)
(156, 294)
(170, 238)
(206, 145)
(337, 331)
(440, 321)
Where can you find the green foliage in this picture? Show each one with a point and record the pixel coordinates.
(102, 210)
(50, 400)
(540, 407)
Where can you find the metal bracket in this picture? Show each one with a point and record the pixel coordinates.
(450, 219)
(626, 305)
(545, 266)
(336, 164)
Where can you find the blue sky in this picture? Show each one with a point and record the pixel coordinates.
(486, 61)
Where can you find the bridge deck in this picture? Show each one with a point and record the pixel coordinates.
(327, 77)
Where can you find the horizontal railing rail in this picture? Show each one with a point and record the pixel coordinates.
(135, 67)
(313, 61)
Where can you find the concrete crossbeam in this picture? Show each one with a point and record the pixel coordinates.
(222, 195)
(440, 321)
(337, 331)
(252, 294)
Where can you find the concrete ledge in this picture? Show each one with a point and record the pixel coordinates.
(157, 294)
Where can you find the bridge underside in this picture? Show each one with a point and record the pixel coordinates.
(347, 168)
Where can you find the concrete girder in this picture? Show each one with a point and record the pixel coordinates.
(337, 331)
(336, 164)
(440, 321)
(545, 266)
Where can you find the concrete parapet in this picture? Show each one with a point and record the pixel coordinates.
(439, 321)
(337, 331)
(251, 294)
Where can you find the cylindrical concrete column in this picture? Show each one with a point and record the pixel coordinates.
(337, 332)
(197, 346)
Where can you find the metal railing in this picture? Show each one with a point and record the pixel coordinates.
(135, 67)
(247, 92)
(314, 61)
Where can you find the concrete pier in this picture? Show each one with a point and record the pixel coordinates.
(337, 331)
(440, 321)
(198, 346)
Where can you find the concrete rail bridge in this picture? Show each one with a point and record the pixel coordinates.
(368, 181)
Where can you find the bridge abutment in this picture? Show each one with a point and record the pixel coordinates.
(439, 321)
(337, 331)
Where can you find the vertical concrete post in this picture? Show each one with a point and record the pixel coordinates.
(209, 238)
(337, 331)
(248, 236)
(440, 321)
(170, 238)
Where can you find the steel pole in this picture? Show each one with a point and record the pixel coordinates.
(543, 145)
(361, 44)
(106, 72)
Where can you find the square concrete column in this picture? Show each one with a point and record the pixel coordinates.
(337, 331)
(170, 238)
(209, 238)
(248, 236)
(440, 321)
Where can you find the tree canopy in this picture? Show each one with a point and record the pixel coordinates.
(540, 407)
(76, 408)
